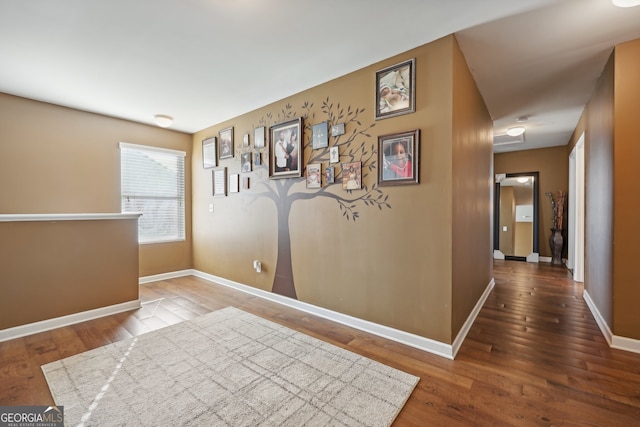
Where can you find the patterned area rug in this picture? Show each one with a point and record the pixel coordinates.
(226, 368)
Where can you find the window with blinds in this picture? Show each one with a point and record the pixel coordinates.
(152, 183)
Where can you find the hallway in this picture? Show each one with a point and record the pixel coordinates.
(542, 356)
(534, 356)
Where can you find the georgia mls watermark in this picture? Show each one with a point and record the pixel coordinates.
(31, 416)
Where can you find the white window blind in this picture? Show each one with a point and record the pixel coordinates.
(152, 183)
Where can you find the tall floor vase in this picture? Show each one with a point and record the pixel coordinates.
(555, 242)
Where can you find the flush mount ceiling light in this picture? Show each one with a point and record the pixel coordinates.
(163, 121)
(515, 131)
(626, 3)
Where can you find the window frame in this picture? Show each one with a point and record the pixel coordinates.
(180, 220)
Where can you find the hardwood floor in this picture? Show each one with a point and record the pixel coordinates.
(534, 356)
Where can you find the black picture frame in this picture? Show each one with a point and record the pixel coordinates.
(399, 158)
(396, 90)
(320, 135)
(286, 154)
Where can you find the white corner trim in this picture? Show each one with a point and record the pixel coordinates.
(602, 324)
(624, 343)
(614, 341)
(497, 254)
(58, 322)
(422, 343)
(457, 343)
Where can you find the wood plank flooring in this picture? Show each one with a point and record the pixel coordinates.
(534, 356)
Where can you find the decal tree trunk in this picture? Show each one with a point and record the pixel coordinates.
(283, 279)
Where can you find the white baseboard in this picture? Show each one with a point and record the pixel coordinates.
(472, 318)
(165, 276)
(624, 343)
(432, 346)
(58, 322)
(614, 341)
(602, 324)
(426, 344)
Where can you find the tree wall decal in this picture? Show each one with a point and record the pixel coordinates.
(355, 145)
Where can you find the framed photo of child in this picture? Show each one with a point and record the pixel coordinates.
(352, 176)
(398, 158)
(314, 175)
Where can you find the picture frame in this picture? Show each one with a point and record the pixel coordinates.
(258, 137)
(334, 154)
(286, 152)
(219, 177)
(257, 158)
(245, 139)
(245, 162)
(314, 175)
(399, 158)
(320, 135)
(329, 175)
(234, 183)
(352, 176)
(209, 154)
(337, 130)
(245, 182)
(226, 143)
(396, 90)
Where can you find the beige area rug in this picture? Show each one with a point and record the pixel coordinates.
(226, 368)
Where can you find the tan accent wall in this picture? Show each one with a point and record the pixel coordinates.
(391, 265)
(50, 269)
(553, 165)
(626, 197)
(599, 185)
(472, 172)
(59, 160)
(611, 127)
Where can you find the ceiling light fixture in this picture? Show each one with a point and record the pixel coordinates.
(515, 131)
(163, 121)
(626, 3)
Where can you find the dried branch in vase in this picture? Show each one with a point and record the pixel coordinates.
(557, 204)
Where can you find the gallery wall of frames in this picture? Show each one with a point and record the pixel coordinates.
(346, 193)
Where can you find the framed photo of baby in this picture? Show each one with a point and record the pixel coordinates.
(285, 151)
(396, 90)
(398, 158)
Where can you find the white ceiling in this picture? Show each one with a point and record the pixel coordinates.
(206, 61)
